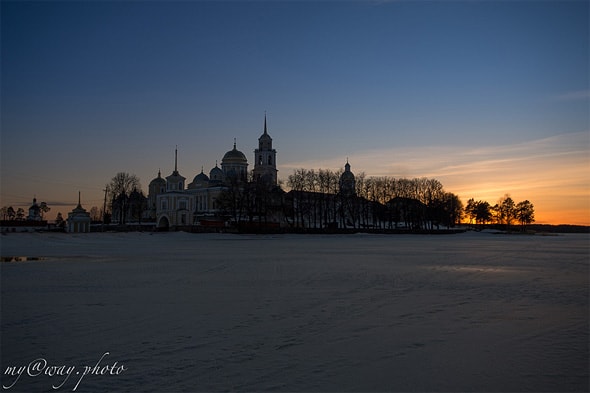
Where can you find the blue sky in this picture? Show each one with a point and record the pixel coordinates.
(93, 88)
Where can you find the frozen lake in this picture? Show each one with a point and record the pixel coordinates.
(185, 312)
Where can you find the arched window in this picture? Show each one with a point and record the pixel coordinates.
(180, 185)
(269, 160)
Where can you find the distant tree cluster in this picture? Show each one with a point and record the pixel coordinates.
(504, 212)
(377, 202)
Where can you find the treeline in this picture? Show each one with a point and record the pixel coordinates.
(505, 212)
(377, 202)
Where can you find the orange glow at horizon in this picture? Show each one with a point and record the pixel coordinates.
(552, 173)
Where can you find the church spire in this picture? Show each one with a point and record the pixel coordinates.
(176, 159)
(79, 207)
(265, 133)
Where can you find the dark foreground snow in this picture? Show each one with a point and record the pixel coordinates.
(182, 312)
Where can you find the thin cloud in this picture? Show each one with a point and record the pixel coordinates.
(574, 95)
(552, 172)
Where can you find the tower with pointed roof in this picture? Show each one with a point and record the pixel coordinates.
(175, 182)
(79, 219)
(347, 181)
(265, 159)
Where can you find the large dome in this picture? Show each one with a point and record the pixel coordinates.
(234, 156)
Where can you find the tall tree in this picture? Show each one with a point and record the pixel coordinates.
(59, 221)
(525, 213)
(479, 212)
(95, 214)
(483, 212)
(120, 188)
(43, 208)
(10, 213)
(507, 210)
(20, 214)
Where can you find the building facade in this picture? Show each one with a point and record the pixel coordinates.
(172, 203)
(79, 219)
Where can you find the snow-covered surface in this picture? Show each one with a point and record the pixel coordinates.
(215, 312)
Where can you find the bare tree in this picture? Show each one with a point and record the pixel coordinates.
(120, 189)
(95, 214)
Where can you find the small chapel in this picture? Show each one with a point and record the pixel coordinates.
(79, 219)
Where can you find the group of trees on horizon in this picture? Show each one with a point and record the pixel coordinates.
(377, 202)
(504, 212)
(315, 200)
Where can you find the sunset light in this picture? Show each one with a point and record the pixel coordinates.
(490, 98)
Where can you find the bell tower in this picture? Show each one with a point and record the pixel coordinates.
(265, 159)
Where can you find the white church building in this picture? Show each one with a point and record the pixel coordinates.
(173, 203)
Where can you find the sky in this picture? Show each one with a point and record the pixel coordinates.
(489, 97)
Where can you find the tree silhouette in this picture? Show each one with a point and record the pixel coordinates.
(59, 221)
(120, 187)
(43, 208)
(480, 212)
(20, 214)
(10, 213)
(95, 214)
(504, 211)
(525, 213)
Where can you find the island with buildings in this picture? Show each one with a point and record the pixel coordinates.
(232, 197)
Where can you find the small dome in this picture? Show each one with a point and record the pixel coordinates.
(216, 174)
(234, 156)
(158, 179)
(201, 177)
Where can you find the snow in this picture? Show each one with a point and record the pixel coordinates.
(219, 312)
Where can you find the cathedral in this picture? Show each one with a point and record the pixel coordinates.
(173, 203)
